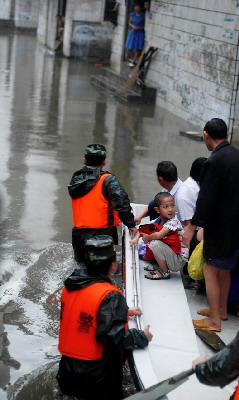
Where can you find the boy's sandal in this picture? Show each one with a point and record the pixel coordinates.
(155, 277)
(149, 268)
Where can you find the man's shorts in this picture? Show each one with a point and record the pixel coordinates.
(228, 263)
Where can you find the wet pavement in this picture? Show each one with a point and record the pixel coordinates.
(49, 112)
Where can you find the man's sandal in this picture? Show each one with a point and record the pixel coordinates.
(155, 277)
(201, 324)
(206, 313)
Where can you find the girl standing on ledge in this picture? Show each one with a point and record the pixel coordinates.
(135, 39)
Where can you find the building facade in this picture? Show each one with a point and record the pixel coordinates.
(79, 26)
(196, 67)
(19, 13)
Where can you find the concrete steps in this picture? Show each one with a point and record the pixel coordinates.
(111, 82)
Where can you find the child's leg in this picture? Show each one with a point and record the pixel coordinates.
(162, 263)
(166, 259)
(152, 266)
(161, 270)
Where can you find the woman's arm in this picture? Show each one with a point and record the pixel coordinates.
(131, 23)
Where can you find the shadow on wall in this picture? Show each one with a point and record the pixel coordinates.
(91, 40)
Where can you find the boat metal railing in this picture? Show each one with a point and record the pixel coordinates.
(135, 285)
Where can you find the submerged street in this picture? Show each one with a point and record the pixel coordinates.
(49, 113)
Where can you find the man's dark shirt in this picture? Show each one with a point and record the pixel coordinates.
(217, 207)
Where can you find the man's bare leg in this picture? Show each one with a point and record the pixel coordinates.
(211, 275)
(225, 283)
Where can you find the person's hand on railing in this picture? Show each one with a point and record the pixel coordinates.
(133, 231)
(134, 311)
(199, 360)
(147, 333)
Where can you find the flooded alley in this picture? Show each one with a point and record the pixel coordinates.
(49, 113)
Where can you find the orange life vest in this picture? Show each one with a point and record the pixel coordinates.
(78, 322)
(236, 395)
(93, 210)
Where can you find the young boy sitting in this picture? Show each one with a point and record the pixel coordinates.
(93, 327)
(164, 241)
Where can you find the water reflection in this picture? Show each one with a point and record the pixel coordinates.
(49, 112)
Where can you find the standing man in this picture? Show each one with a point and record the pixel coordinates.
(188, 192)
(167, 176)
(217, 211)
(99, 202)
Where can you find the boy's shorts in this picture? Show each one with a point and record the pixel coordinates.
(228, 263)
(174, 261)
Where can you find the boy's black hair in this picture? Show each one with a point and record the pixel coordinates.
(167, 170)
(94, 161)
(158, 198)
(196, 168)
(98, 267)
(216, 128)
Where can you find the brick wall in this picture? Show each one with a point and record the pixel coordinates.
(195, 69)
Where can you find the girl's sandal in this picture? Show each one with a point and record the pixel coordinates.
(155, 277)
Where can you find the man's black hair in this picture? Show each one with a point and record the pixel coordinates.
(94, 161)
(98, 267)
(159, 197)
(216, 128)
(196, 168)
(167, 170)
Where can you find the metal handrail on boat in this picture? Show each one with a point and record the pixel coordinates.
(135, 284)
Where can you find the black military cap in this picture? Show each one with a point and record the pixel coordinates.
(95, 150)
(99, 248)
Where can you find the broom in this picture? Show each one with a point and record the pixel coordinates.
(131, 81)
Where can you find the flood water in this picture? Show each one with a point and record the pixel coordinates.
(49, 112)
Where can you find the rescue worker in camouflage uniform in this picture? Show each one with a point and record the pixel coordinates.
(99, 202)
(221, 369)
(93, 327)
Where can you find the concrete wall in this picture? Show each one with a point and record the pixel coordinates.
(5, 9)
(27, 13)
(86, 35)
(42, 21)
(195, 69)
(89, 11)
(47, 25)
(118, 40)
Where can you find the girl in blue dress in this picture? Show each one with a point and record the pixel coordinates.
(135, 39)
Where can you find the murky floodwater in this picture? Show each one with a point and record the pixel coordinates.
(49, 112)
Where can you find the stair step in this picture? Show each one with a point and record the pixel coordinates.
(115, 88)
